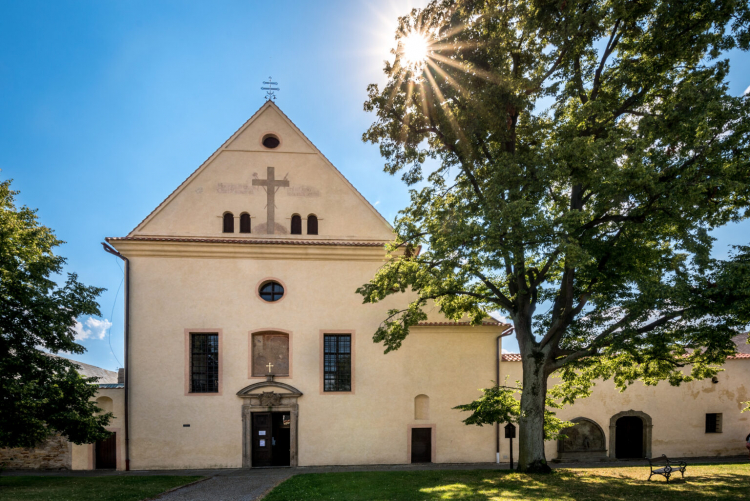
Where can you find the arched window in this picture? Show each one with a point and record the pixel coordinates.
(244, 222)
(312, 224)
(296, 225)
(421, 407)
(228, 222)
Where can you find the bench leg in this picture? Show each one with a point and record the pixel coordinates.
(667, 475)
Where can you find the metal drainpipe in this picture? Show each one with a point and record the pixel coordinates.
(506, 332)
(112, 251)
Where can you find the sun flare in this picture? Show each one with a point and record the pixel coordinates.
(414, 48)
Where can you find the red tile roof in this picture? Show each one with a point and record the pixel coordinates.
(484, 322)
(247, 241)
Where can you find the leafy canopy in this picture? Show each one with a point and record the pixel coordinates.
(40, 394)
(569, 160)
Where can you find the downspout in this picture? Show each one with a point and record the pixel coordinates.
(506, 332)
(112, 251)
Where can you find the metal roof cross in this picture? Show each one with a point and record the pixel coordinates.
(270, 89)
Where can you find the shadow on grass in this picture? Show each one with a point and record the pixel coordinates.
(484, 485)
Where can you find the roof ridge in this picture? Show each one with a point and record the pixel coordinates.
(354, 243)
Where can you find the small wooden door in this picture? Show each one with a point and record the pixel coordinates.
(262, 428)
(105, 453)
(421, 445)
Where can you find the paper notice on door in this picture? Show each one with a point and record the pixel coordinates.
(261, 432)
(262, 443)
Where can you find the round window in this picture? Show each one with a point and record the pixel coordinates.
(271, 141)
(271, 291)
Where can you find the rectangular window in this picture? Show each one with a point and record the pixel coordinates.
(204, 363)
(713, 423)
(337, 363)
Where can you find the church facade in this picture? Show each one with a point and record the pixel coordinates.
(248, 346)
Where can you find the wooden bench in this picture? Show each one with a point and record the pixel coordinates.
(663, 466)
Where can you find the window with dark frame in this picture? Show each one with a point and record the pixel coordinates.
(271, 291)
(228, 222)
(312, 224)
(244, 222)
(296, 224)
(713, 423)
(337, 363)
(204, 363)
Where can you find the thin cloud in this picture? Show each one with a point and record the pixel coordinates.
(92, 328)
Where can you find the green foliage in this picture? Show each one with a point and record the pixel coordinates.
(41, 394)
(569, 159)
(499, 404)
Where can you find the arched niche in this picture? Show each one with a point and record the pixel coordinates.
(585, 440)
(105, 404)
(421, 407)
(647, 430)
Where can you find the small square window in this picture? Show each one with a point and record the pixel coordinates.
(713, 423)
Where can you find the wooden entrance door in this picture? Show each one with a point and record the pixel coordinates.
(629, 438)
(262, 428)
(421, 445)
(105, 453)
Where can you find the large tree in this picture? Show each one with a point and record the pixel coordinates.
(571, 158)
(40, 395)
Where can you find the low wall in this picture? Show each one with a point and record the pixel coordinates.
(54, 454)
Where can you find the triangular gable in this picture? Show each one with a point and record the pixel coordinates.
(226, 182)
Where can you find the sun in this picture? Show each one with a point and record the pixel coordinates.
(414, 49)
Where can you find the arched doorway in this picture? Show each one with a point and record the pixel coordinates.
(629, 438)
(630, 435)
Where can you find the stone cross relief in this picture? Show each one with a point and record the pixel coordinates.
(271, 185)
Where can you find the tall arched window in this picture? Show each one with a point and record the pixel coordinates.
(296, 225)
(312, 224)
(228, 222)
(244, 222)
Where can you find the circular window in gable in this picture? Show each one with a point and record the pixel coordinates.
(271, 291)
(270, 141)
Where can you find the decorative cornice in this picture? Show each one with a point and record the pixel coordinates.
(246, 391)
(320, 250)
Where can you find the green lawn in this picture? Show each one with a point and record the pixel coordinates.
(727, 481)
(110, 488)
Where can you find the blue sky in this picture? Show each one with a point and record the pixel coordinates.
(108, 106)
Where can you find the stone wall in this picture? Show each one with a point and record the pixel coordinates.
(54, 454)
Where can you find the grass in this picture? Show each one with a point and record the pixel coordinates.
(110, 488)
(725, 481)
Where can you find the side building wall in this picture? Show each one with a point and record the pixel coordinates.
(677, 413)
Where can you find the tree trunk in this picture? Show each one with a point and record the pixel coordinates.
(531, 458)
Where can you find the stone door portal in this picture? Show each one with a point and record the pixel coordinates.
(269, 424)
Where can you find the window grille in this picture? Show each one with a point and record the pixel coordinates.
(204, 363)
(337, 364)
(713, 423)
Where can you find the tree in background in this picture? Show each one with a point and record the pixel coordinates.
(40, 395)
(579, 154)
